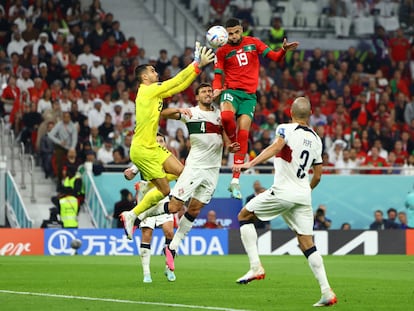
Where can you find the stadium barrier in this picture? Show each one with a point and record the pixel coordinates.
(93, 202)
(16, 242)
(16, 211)
(351, 198)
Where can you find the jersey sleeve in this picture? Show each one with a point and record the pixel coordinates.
(266, 51)
(281, 132)
(318, 156)
(174, 85)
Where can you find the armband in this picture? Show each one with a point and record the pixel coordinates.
(134, 169)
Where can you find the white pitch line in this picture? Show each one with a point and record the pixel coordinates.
(118, 300)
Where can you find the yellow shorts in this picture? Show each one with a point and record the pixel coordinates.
(150, 161)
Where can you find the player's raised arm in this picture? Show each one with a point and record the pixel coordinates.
(175, 113)
(278, 55)
(265, 155)
(203, 57)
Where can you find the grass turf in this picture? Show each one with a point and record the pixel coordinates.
(360, 282)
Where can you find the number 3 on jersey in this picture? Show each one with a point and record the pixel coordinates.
(242, 59)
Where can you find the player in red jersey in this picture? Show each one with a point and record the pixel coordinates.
(236, 79)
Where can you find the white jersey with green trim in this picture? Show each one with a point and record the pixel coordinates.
(205, 132)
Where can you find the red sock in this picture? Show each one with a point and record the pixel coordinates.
(229, 124)
(242, 139)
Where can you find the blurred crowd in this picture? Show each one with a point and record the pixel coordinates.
(68, 90)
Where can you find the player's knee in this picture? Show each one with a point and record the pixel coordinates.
(245, 215)
(175, 205)
(166, 191)
(193, 211)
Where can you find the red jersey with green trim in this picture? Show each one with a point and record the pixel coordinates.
(240, 64)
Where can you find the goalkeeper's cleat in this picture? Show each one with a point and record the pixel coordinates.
(327, 299)
(169, 274)
(235, 191)
(147, 278)
(128, 218)
(169, 258)
(257, 273)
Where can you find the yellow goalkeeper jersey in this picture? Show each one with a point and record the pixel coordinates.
(148, 104)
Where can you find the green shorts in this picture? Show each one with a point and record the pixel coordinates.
(242, 102)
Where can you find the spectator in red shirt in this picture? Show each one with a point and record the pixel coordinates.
(130, 47)
(359, 111)
(211, 222)
(400, 154)
(73, 69)
(399, 47)
(340, 116)
(374, 160)
(109, 48)
(11, 98)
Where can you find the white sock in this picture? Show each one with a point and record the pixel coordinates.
(248, 236)
(145, 254)
(184, 227)
(234, 181)
(153, 211)
(316, 264)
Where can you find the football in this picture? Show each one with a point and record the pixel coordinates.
(217, 36)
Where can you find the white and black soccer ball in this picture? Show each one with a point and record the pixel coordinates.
(217, 36)
(76, 244)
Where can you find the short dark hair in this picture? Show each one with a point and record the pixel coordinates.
(232, 22)
(201, 85)
(139, 70)
(391, 209)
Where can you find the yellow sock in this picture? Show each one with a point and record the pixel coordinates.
(151, 198)
(171, 177)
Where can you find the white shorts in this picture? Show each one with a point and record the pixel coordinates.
(196, 183)
(156, 221)
(266, 206)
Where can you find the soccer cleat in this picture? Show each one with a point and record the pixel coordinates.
(169, 258)
(327, 299)
(235, 191)
(169, 274)
(257, 273)
(147, 278)
(128, 218)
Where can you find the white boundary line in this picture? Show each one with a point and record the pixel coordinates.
(118, 300)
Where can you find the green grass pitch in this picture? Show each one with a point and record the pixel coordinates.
(203, 283)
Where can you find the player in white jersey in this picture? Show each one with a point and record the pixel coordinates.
(165, 221)
(199, 178)
(297, 149)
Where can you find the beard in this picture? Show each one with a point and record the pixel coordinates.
(235, 43)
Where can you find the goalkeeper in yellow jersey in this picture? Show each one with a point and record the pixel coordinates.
(156, 163)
